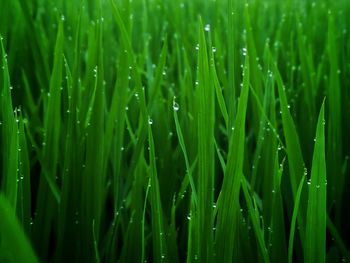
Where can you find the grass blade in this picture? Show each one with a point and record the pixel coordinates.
(159, 243)
(316, 213)
(226, 227)
(206, 164)
(14, 245)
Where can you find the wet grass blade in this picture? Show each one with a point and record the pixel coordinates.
(294, 153)
(294, 219)
(316, 213)
(14, 245)
(254, 216)
(206, 157)
(184, 151)
(228, 204)
(158, 235)
(9, 138)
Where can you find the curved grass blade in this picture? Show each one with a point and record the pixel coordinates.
(183, 148)
(294, 153)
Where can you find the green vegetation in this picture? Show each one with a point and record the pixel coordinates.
(174, 131)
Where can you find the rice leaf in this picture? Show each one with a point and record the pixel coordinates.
(316, 213)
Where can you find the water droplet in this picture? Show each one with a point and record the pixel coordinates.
(244, 51)
(213, 49)
(269, 72)
(95, 72)
(176, 106)
(197, 47)
(150, 121)
(207, 28)
(63, 18)
(309, 182)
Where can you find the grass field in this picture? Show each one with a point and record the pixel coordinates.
(174, 131)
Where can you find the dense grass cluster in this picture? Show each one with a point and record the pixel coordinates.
(174, 131)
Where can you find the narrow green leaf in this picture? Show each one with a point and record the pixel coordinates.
(158, 235)
(206, 153)
(315, 250)
(228, 204)
(14, 245)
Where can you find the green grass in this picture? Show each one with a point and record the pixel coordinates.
(174, 131)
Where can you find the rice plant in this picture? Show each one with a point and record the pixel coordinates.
(174, 131)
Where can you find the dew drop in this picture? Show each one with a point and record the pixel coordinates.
(95, 72)
(176, 106)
